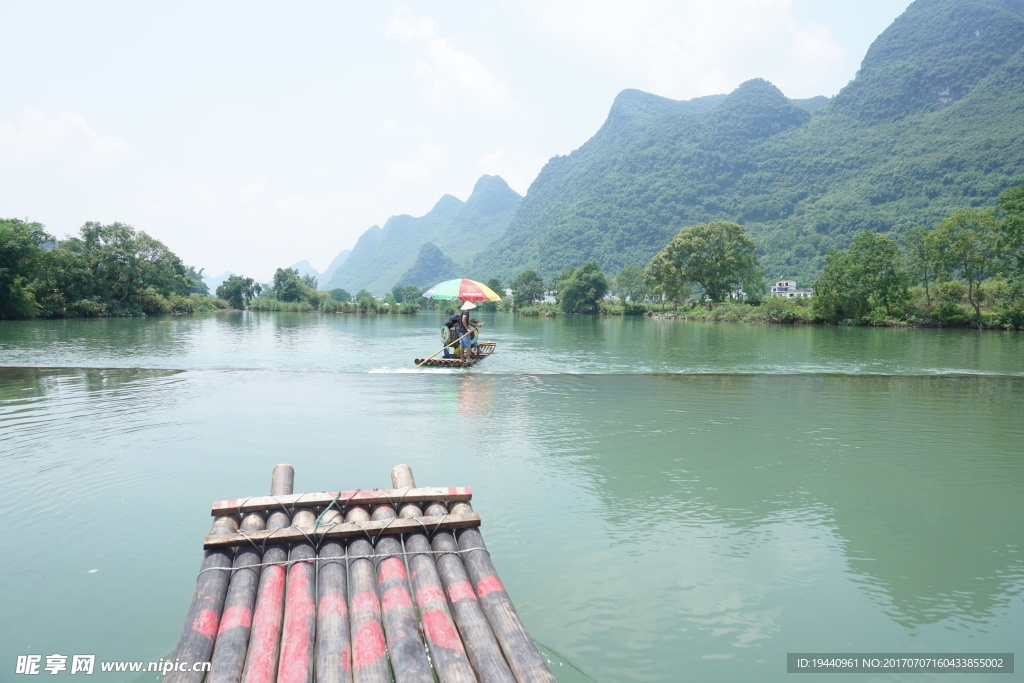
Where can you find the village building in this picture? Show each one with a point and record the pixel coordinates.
(789, 290)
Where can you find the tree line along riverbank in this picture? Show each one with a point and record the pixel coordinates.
(966, 271)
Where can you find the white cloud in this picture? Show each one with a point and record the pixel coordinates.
(66, 137)
(687, 48)
(444, 72)
(252, 192)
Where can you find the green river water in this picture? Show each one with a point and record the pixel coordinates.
(663, 500)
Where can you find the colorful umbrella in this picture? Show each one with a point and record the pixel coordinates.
(461, 289)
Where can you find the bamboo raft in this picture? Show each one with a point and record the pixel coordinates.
(366, 585)
(484, 349)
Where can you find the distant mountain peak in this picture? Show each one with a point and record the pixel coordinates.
(756, 109)
(461, 229)
(431, 266)
(632, 107)
(932, 55)
(491, 194)
(447, 203)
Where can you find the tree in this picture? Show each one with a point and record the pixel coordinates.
(968, 244)
(919, 246)
(581, 289)
(109, 270)
(717, 256)
(239, 291)
(663, 279)
(340, 295)
(196, 284)
(870, 275)
(495, 285)
(310, 281)
(409, 294)
(20, 251)
(1011, 212)
(364, 295)
(527, 288)
(282, 276)
(630, 282)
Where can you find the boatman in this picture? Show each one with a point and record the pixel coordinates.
(467, 343)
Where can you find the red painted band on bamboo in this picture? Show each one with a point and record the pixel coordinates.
(440, 630)
(239, 615)
(461, 590)
(369, 644)
(429, 592)
(333, 603)
(391, 568)
(488, 585)
(396, 597)
(266, 628)
(298, 634)
(206, 623)
(365, 601)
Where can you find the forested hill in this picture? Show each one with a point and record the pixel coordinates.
(458, 229)
(933, 121)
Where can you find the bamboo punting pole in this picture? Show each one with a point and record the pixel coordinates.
(197, 637)
(265, 639)
(443, 348)
(333, 654)
(520, 652)
(446, 647)
(236, 624)
(408, 658)
(481, 646)
(296, 664)
(369, 653)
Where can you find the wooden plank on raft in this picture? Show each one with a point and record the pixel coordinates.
(452, 494)
(346, 530)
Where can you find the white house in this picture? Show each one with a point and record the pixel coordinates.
(789, 290)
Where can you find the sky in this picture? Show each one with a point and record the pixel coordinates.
(247, 136)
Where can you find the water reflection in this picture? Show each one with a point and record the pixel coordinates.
(645, 524)
(567, 344)
(477, 395)
(915, 482)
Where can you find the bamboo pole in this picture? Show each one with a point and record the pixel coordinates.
(265, 638)
(296, 664)
(408, 658)
(482, 647)
(196, 642)
(369, 653)
(446, 647)
(520, 652)
(236, 624)
(333, 653)
(443, 348)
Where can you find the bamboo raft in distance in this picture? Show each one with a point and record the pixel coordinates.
(365, 585)
(485, 349)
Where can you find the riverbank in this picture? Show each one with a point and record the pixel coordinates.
(777, 310)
